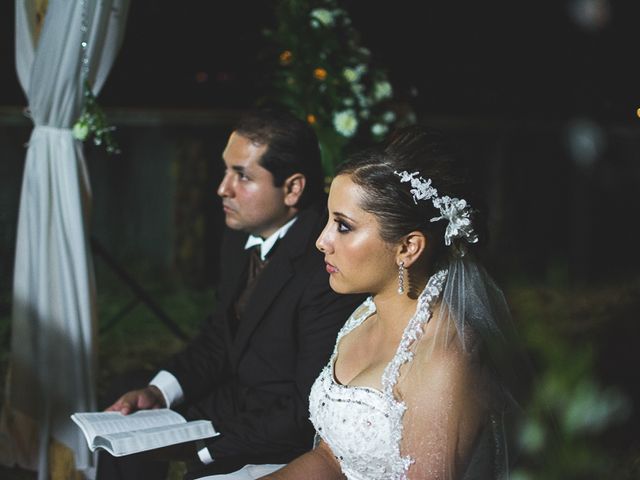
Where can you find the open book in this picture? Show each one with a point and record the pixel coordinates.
(143, 430)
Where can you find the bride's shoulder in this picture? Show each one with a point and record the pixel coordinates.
(441, 360)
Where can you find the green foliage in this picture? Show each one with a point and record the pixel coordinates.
(320, 70)
(570, 410)
(93, 122)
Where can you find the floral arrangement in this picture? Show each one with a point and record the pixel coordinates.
(322, 72)
(93, 121)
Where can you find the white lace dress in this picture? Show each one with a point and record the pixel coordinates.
(362, 425)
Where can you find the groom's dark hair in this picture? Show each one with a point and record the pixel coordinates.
(292, 147)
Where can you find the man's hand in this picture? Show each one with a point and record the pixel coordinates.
(144, 399)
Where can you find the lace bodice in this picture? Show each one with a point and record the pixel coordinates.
(363, 425)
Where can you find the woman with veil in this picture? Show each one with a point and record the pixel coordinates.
(416, 387)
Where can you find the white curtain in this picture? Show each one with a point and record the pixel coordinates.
(53, 345)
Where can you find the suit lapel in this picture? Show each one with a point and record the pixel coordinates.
(273, 278)
(234, 266)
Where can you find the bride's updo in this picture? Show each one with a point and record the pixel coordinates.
(412, 149)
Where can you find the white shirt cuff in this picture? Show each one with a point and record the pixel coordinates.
(203, 453)
(169, 387)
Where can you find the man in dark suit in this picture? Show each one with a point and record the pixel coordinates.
(251, 368)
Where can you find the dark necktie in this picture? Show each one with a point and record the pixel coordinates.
(255, 267)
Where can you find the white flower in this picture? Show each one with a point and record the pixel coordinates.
(379, 129)
(80, 130)
(389, 117)
(361, 69)
(354, 74)
(458, 214)
(322, 15)
(382, 90)
(351, 74)
(348, 102)
(345, 123)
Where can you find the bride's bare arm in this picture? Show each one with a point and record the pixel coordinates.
(446, 399)
(318, 464)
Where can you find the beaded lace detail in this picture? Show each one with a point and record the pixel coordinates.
(363, 425)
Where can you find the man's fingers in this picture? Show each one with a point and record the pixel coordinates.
(136, 400)
(122, 405)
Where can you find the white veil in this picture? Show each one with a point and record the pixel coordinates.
(456, 420)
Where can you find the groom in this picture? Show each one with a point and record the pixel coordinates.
(251, 367)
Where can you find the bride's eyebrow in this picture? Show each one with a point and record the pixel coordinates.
(343, 216)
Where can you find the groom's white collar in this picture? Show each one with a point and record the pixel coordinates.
(267, 244)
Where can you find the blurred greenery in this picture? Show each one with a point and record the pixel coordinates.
(579, 421)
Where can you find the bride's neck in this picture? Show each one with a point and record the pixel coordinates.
(393, 311)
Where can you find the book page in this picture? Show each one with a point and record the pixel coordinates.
(125, 443)
(101, 423)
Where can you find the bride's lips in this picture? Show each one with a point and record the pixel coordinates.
(330, 268)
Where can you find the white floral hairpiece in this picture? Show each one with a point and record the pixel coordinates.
(454, 210)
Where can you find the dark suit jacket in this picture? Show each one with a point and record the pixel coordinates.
(255, 387)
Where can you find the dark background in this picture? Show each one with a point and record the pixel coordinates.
(523, 59)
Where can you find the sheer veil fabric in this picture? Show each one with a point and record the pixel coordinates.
(457, 387)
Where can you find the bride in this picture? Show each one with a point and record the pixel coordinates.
(412, 389)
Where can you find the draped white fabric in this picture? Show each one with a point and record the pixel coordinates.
(53, 345)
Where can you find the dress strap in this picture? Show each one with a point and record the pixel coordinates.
(358, 316)
(413, 330)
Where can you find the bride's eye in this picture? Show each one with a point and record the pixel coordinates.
(343, 227)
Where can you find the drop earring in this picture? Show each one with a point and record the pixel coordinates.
(401, 278)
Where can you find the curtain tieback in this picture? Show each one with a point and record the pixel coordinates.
(50, 129)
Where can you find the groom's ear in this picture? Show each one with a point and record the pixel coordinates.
(411, 247)
(293, 188)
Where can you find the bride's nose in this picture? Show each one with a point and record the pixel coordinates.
(322, 242)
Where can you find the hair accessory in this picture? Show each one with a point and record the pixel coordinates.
(401, 278)
(455, 210)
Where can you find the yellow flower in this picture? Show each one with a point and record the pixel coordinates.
(311, 118)
(286, 57)
(320, 73)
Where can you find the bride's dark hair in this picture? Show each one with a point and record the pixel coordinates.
(411, 149)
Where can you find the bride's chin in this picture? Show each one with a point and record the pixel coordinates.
(342, 287)
(337, 286)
